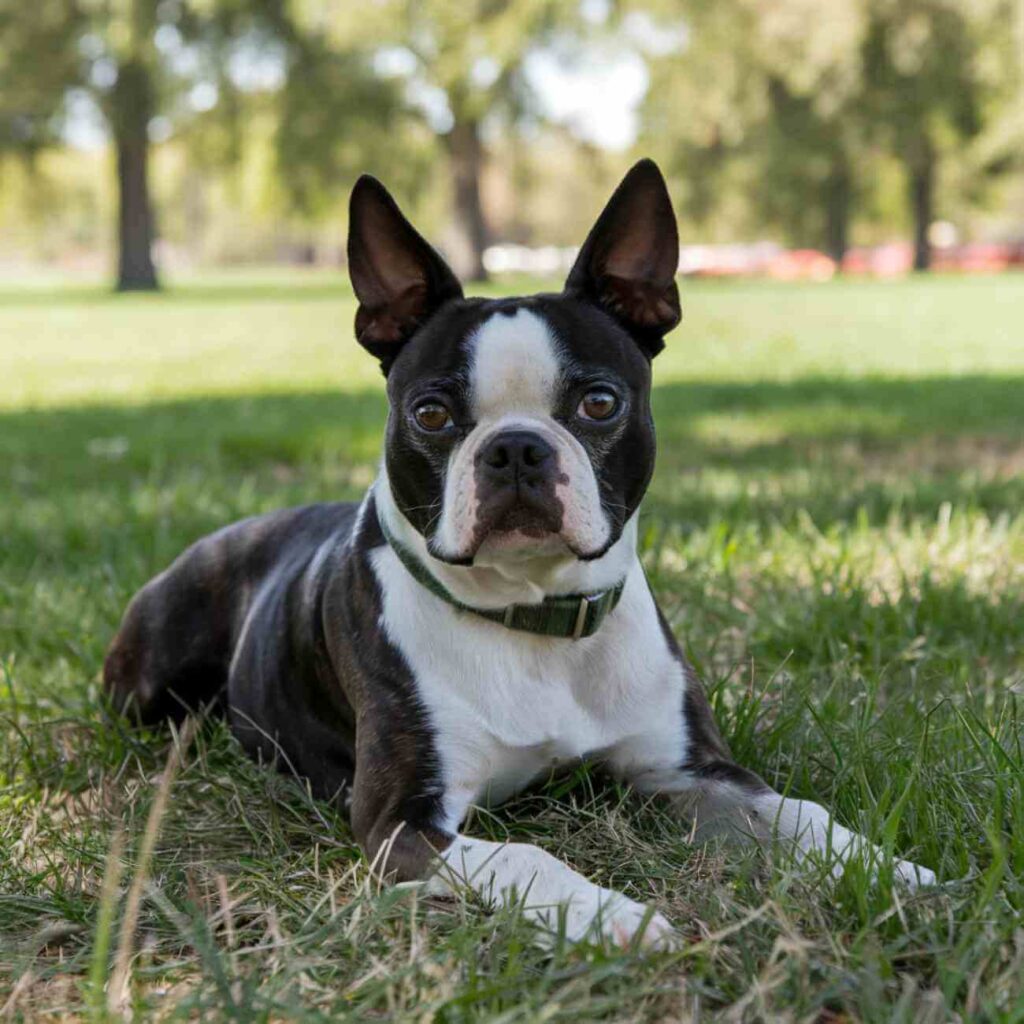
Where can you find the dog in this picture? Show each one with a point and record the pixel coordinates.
(482, 616)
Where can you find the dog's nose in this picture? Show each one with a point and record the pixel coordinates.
(516, 455)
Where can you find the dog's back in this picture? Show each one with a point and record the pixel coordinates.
(174, 648)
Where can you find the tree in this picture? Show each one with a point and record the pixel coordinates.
(143, 56)
(140, 60)
(337, 118)
(770, 93)
(923, 91)
(462, 62)
(702, 100)
(808, 141)
(108, 48)
(794, 109)
(807, 172)
(130, 103)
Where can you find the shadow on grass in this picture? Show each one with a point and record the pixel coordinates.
(834, 447)
(319, 286)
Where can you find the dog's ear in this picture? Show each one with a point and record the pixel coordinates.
(628, 263)
(399, 279)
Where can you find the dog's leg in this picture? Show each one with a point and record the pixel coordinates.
(720, 797)
(551, 893)
(405, 836)
(686, 759)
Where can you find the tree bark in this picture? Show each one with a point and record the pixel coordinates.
(466, 156)
(131, 108)
(837, 213)
(922, 201)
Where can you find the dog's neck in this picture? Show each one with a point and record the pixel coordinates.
(511, 580)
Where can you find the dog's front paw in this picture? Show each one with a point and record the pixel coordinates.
(626, 922)
(604, 915)
(914, 876)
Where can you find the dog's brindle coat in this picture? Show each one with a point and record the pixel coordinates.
(514, 485)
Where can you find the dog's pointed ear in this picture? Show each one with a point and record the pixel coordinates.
(628, 263)
(399, 279)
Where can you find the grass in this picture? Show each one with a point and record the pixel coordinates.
(836, 530)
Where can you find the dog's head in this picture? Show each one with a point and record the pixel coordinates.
(518, 427)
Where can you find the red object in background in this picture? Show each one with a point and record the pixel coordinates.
(892, 260)
(802, 265)
(974, 258)
(736, 260)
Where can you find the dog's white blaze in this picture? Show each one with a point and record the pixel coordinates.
(514, 368)
(514, 375)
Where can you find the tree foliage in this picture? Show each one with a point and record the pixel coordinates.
(796, 112)
(461, 62)
(38, 65)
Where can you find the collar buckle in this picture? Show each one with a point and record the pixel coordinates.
(581, 618)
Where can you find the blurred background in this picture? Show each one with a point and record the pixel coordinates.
(144, 138)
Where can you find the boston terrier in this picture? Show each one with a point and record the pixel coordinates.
(481, 617)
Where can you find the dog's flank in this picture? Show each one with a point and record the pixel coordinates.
(381, 651)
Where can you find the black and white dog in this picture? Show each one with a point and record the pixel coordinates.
(482, 615)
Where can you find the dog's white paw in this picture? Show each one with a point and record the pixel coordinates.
(914, 876)
(550, 893)
(604, 915)
(625, 922)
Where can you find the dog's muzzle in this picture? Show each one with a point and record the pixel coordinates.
(516, 473)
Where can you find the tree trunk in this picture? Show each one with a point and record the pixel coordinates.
(922, 201)
(131, 107)
(837, 210)
(466, 155)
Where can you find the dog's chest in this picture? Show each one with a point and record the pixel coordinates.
(507, 707)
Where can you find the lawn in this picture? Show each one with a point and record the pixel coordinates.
(836, 531)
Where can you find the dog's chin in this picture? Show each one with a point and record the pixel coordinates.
(520, 533)
(504, 547)
(517, 546)
(520, 545)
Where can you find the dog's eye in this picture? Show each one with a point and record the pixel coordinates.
(598, 404)
(432, 416)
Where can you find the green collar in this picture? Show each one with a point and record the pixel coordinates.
(573, 616)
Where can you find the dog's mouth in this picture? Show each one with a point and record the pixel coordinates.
(518, 526)
(519, 532)
(513, 525)
(526, 522)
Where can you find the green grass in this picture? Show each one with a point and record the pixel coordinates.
(836, 531)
